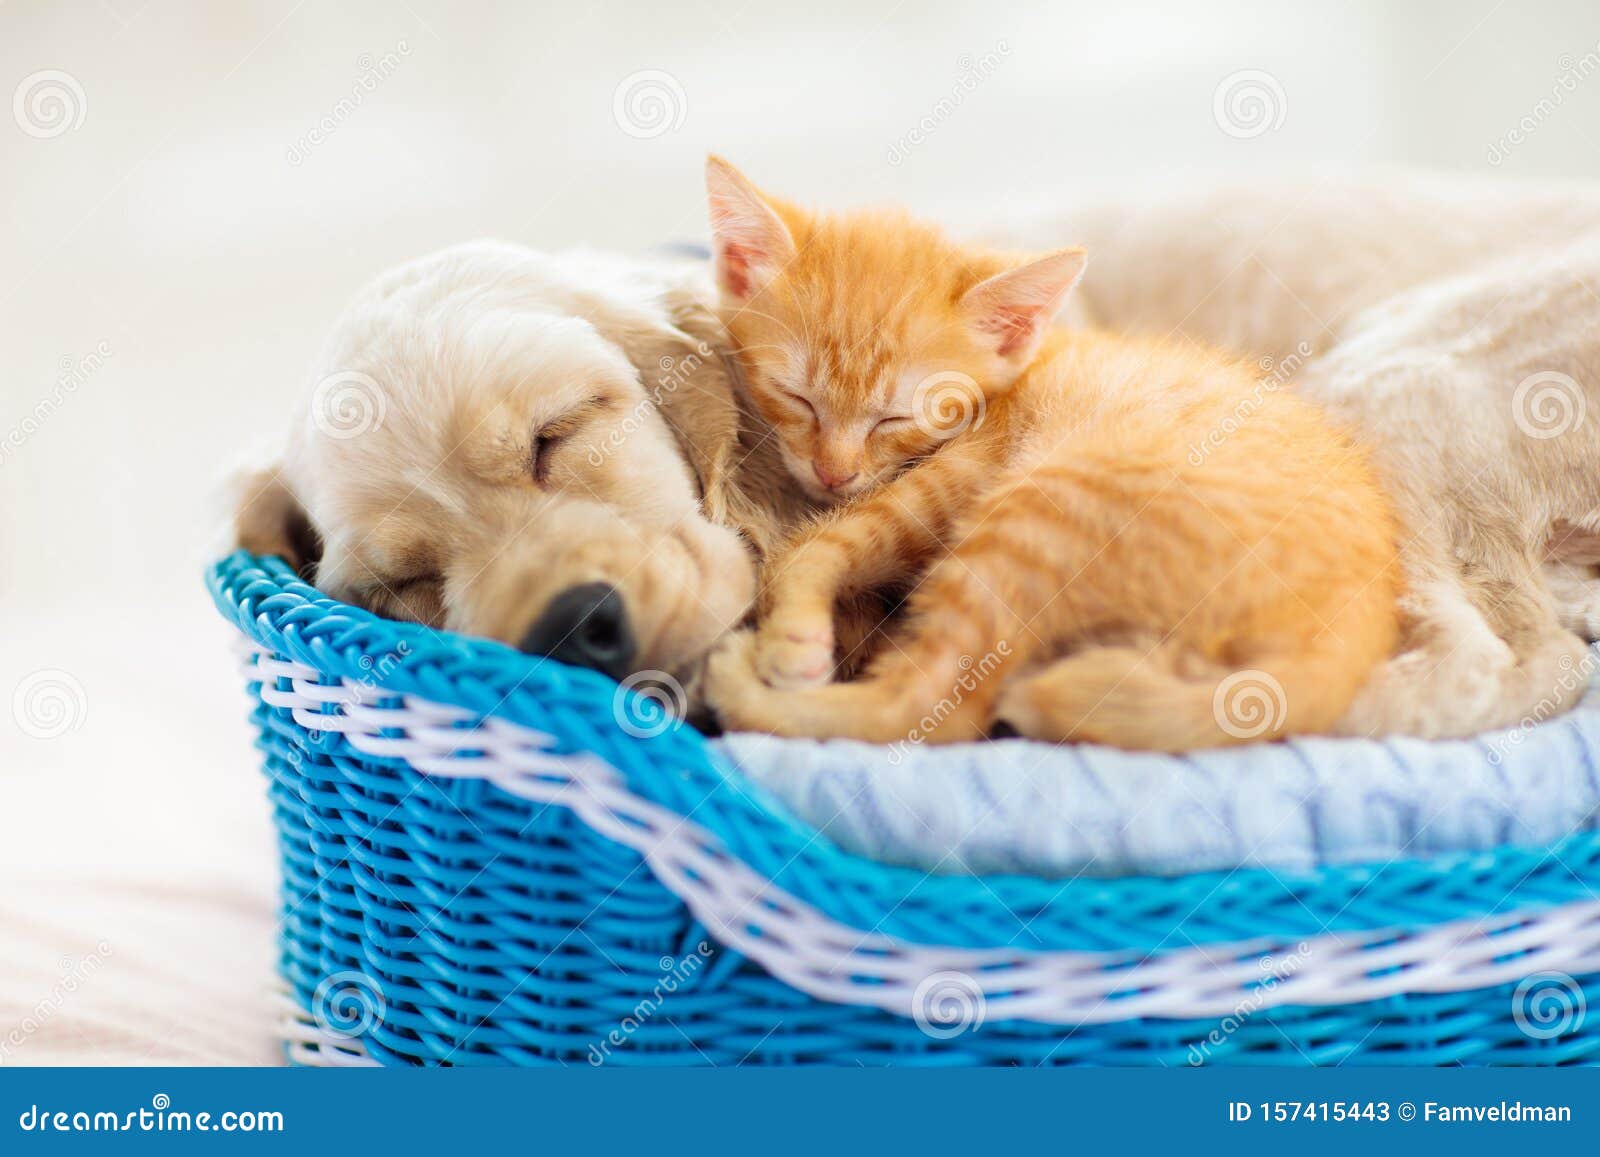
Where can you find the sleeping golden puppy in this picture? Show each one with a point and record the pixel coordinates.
(540, 450)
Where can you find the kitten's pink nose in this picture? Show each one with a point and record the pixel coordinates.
(830, 479)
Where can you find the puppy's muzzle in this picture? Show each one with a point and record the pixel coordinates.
(586, 626)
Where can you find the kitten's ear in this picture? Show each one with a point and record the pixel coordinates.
(750, 242)
(1012, 310)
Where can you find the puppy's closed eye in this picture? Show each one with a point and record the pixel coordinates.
(544, 446)
(419, 598)
(422, 599)
(549, 437)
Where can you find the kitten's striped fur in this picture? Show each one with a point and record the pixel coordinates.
(1134, 534)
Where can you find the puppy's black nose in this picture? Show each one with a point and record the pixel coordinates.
(586, 626)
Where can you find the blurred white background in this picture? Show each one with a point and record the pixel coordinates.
(189, 192)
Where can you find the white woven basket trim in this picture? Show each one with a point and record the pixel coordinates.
(269, 667)
(307, 1043)
(831, 961)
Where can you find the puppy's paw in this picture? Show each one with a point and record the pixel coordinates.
(1579, 610)
(794, 651)
(1428, 695)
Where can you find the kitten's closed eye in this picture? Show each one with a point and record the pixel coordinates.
(893, 423)
(800, 401)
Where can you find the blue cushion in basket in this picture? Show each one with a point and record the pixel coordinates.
(1043, 809)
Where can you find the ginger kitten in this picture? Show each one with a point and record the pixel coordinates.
(1119, 541)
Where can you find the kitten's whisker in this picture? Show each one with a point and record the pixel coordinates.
(766, 345)
(783, 325)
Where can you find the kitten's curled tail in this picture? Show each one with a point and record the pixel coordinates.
(1167, 698)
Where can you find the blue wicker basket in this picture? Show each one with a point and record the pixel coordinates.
(481, 866)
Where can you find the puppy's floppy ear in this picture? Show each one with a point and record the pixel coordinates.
(1012, 310)
(703, 413)
(269, 519)
(750, 243)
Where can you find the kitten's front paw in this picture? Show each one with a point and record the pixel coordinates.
(794, 651)
(731, 680)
